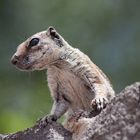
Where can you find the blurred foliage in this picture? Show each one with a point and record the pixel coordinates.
(108, 31)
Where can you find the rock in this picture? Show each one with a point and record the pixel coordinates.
(120, 120)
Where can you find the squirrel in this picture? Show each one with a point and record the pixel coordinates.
(75, 82)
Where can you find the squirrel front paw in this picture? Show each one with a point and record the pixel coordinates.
(99, 103)
(47, 119)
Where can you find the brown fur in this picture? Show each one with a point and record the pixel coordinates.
(74, 80)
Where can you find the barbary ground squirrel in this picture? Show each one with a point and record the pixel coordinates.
(75, 82)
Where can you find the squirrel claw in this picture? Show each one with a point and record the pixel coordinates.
(99, 103)
(47, 120)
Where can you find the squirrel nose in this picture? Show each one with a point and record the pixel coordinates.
(15, 59)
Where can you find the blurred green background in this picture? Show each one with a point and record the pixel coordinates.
(107, 30)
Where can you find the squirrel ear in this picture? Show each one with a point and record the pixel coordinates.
(53, 33)
(55, 36)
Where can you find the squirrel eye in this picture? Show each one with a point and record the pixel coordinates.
(33, 42)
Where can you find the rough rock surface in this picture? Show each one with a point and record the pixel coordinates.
(52, 131)
(120, 120)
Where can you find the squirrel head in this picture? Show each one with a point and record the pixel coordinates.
(39, 51)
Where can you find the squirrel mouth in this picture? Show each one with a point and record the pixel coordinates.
(22, 64)
(25, 67)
